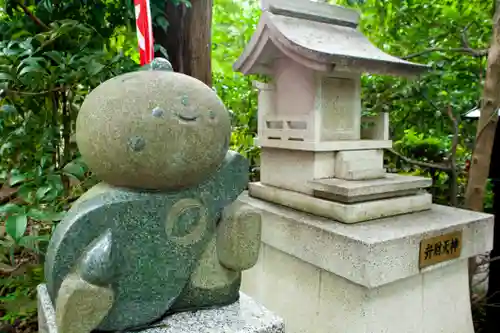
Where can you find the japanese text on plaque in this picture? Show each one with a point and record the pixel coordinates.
(441, 248)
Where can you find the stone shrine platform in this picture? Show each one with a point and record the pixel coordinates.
(323, 276)
(244, 316)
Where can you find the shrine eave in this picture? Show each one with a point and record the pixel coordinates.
(319, 46)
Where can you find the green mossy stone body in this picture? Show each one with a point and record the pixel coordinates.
(151, 243)
(153, 130)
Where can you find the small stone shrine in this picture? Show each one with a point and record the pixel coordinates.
(162, 234)
(310, 122)
(346, 247)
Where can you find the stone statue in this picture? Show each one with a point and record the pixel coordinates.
(162, 233)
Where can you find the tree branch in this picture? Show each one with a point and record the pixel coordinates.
(466, 48)
(441, 167)
(32, 16)
(472, 52)
(8, 270)
(466, 44)
(5, 92)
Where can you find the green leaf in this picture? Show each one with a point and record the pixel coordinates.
(32, 242)
(3, 260)
(25, 192)
(54, 55)
(161, 49)
(21, 305)
(13, 51)
(45, 216)
(16, 225)
(47, 5)
(75, 169)
(37, 62)
(32, 70)
(41, 192)
(162, 22)
(10, 208)
(94, 68)
(187, 3)
(7, 108)
(45, 160)
(67, 27)
(17, 179)
(6, 77)
(20, 34)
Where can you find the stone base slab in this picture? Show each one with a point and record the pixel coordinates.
(312, 300)
(322, 276)
(244, 316)
(349, 191)
(324, 146)
(374, 253)
(342, 212)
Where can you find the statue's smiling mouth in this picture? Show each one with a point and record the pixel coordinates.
(187, 117)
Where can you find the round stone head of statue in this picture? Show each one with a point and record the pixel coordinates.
(153, 130)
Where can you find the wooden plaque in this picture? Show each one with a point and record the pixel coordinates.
(441, 248)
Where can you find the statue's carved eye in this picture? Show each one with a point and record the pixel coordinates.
(137, 143)
(185, 100)
(157, 112)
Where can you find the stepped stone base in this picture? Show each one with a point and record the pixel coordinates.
(342, 212)
(349, 191)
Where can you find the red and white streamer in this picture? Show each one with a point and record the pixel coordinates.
(144, 26)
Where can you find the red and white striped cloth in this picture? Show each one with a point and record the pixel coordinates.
(144, 26)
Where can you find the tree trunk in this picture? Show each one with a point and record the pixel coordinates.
(492, 324)
(188, 38)
(490, 102)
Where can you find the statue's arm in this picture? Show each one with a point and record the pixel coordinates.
(238, 237)
(239, 228)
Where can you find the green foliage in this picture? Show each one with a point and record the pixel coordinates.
(407, 28)
(433, 151)
(424, 148)
(449, 36)
(18, 298)
(52, 54)
(233, 26)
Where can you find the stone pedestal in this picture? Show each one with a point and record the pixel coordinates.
(323, 276)
(244, 316)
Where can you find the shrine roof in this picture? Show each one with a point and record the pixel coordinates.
(319, 36)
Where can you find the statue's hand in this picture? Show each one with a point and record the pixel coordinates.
(238, 237)
(230, 180)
